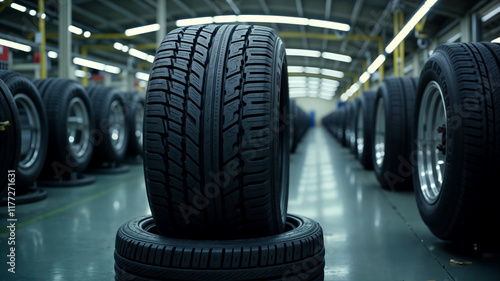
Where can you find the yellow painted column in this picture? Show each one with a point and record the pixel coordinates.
(402, 45)
(41, 28)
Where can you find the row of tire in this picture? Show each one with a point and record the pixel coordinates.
(300, 123)
(439, 135)
(54, 128)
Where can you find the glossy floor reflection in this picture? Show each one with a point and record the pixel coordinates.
(370, 234)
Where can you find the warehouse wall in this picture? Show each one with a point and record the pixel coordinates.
(320, 106)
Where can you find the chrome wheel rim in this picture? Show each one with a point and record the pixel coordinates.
(31, 137)
(360, 141)
(380, 134)
(117, 124)
(78, 127)
(139, 118)
(431, 142)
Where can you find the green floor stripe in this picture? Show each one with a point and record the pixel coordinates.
(67, 207)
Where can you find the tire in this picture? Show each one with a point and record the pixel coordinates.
(293, 121)
(70, 125)
(463, 206)
(33, 123)
(4, 65)
(135, 121)
(216, 133)
(394, 105)
(297, 254)
(364, 137)
(110, 111)
(353, 143)
(10, 137)
(343, 124)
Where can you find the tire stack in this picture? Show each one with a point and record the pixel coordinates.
(216, 153)
(300, 124)
(4, 65)
(70, 126)
(31, 123)
(135, 119)
(110, 111)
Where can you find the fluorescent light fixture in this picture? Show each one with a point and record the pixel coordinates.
(364, 77)
(52, 54)
(329, 25)
(87, 34)
(89, 63)
(142, 76)
(336, 57)
(273, 19)
(225, 19)
(409, 26)
(43, 16)
(32, 13)
(312, 70)
(295, 69)
(125, 49)
(333, 73)
(75, 30)
(376, 64)
(118, 45)
(138, 54)
(194, 21)
(491, 14)
(303, 53)
(112, 69)
(14, 45)
(344, 97)
(79, 73)
(354, 88)
(142, 29)
(497, 40)
(150, 58)
(18, 7)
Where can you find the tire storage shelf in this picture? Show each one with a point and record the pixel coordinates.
(216, 164)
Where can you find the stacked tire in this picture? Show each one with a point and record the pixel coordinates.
(456, 137)
(135, 118)
(300, 124)
(216, 153)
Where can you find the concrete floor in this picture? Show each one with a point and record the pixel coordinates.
(370, 234)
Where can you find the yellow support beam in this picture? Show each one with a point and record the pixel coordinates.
(395, 54)
(41, 28)
(366, 85)
(152, 46)
(85, 79)
(402, 45)
(5, 5)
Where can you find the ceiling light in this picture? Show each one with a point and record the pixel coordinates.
(142, 29)
(43, 16)
(89, 63)
(329, 25)
(376, 64)
(312, 70)
(333, 73)
(112, 69)
(142, 76)
(18, 7)
(32, 13)
(336, 57)
(491, 14)
(118, 45)
(79, 73)
(496, 40)
(14, 45)
(364, 77)
(138, 54)
(303, 53)
(87, 34)
(295, 69)
(272, 19)
(409, 26)
(75, 30)
(52, 54)
(194, 21)
(125, 49)
(225, 19)
(150, 58)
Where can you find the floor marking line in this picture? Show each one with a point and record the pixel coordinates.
(69, 206)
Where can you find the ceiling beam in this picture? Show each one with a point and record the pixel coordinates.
(324, 44)
(214, 7)
(352, 20)
(124, 12)
(233, 6)
(185, 8)
(300, 12)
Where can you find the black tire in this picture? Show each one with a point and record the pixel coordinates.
(344, 112)
(216, 133)
(4, 65)
(110, 111)
(296, 254)
(293, 121)
(466, 207)
(34, 141)
(61, 98)
(365, 116)
(135, 121)
(396, 96)
(10, 138)
(353, 143)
